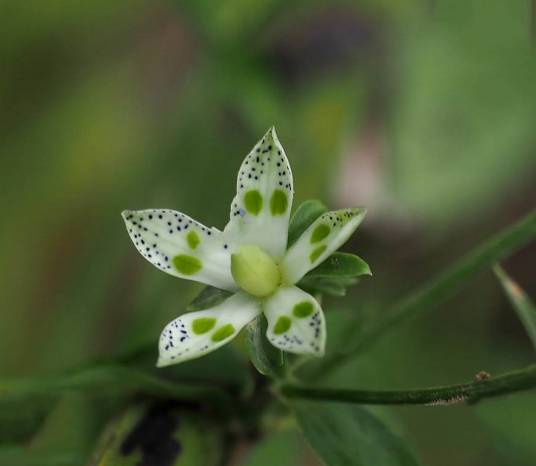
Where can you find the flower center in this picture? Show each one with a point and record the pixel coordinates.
(255, 271)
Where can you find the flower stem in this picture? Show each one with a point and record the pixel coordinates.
(470, 393)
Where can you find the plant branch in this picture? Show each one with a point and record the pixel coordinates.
(439, 289)
(470, 393)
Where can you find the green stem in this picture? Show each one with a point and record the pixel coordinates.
(470, 393)
(439, 289)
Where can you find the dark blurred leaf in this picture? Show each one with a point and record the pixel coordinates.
(349, 435)
(160, 434)
(524, 307)
(20, 456)
(22, 416)
(209, 297)
(306, 214)
(106, 379)
(266, 358)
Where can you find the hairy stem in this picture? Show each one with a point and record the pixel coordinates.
(473, 392)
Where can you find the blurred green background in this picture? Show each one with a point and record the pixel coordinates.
(422, 111)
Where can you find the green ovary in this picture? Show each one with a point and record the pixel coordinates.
(255, 271)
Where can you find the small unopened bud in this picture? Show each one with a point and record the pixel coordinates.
(255, 271)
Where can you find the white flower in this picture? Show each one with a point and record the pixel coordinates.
(249, 257)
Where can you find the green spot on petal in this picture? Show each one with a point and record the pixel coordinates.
(193, 239)
(203, 325)
(253, 202)
(282, 325)
(278, 202)
(187, 265)
(317, 253)
(320, 232)
(302, 310)
(223, 332)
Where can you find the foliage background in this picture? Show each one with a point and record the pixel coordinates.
(423, 111)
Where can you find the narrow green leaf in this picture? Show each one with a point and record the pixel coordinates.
(438, 289)
(306, 214)
(341, 264)
(524, 307)
(349, 435)
(209, 297)
(266, 358)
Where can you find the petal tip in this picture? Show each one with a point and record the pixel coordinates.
(271, 134)
(125, 214)
(163, 362)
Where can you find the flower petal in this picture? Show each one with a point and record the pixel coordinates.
(180, 246)
(261, 208)
(295, 322)
(197, 333)
(325, 235)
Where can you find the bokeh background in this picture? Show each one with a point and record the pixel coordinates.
(422, 111)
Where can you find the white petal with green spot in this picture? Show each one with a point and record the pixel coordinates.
(261, 208)
(197, 333)
(180, 246)
(326, 234)
(295, 322)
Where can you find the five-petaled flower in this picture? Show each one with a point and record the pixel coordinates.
(249, 257)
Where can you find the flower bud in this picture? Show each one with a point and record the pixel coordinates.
(255, 271)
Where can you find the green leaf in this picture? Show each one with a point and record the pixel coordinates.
(524, 307)
(306, 214)
(209, 297)
(266, 358)
(349, 435)
(26, 402)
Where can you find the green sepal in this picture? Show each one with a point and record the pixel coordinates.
(341, 264)
(340, 271)
(332, 287)
(344, 435)
(304, 216)
(207, 298)
(266, 358)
